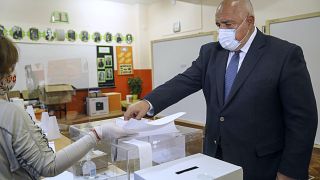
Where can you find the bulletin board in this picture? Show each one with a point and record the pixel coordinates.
(173, 56)
(302, 30)
(72, 59)
(105, 66)
(124, 60)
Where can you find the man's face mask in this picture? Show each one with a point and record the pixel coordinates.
(7, 83)
(227, 38)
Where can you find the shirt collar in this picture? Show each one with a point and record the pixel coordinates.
(246, 47)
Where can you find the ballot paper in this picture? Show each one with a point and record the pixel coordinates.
(146, 127)
(145, 152)
(63, 176)
(30, 111)
(53, 147)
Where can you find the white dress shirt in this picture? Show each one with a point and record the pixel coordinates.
(243, 50)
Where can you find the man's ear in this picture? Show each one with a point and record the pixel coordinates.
(250, 19)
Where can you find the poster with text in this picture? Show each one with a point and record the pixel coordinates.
(124, 60)
(105, 66)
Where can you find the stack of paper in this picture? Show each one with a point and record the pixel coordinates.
(146, 127)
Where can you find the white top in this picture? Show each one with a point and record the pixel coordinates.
(24, 150)
(244, 49)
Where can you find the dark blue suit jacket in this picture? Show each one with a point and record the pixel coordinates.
(268, 123)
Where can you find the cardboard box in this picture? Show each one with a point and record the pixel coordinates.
(97, 106)
(13, 94)
(56, 94)
(27, 95)
(114, 101)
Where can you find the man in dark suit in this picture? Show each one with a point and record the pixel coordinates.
(261, 109)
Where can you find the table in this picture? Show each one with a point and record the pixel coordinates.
(82, 118)
(61, 142)
(52, 108)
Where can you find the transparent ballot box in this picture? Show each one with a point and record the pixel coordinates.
(119, 158)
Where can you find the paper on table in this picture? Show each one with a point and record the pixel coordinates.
(63, 176)
(145, 152)
(51, 144)
(147, 125)
(30, 111)
(51, 127)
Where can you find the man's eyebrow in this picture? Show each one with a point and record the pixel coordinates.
(226, 21)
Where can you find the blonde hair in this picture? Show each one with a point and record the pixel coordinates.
(8, 56)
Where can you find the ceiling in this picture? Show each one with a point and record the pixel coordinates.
(207, 2)
(135, 1)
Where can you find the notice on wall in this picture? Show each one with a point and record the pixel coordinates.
(124, 60)
(105, 66)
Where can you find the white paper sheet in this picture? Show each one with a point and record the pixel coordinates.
(63, 176)
(51, 144)
(30, 111)
(144, 125)
(145, 152)
(51, 127)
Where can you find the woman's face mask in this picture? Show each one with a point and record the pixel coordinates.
(7, 83)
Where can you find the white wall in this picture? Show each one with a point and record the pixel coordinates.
(162, 15)
(90, 15)
(145, 21)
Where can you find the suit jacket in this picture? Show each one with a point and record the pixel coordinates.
(268, 123)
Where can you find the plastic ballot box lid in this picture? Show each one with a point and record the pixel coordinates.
(194, 167)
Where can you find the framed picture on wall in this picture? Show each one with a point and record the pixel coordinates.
(17, 33)
(129, 38)
(101, 63)
(34, 34)
(71, 35)
(105, 63)
(96, 37)
(49, 34)
(119, 38)
(2, 31)
(109, 61)
(108, 37)
(101, 76)
(84, 36)
(109, 73)
(60, 35)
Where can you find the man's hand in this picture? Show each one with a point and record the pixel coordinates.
(137, 110)
(283, 177)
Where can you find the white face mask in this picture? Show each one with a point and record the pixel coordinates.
(7, 83)
(227, 38)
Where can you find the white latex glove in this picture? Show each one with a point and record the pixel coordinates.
(111, 130)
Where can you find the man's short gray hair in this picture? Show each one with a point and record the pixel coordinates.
(249, 7)
(242, 4)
